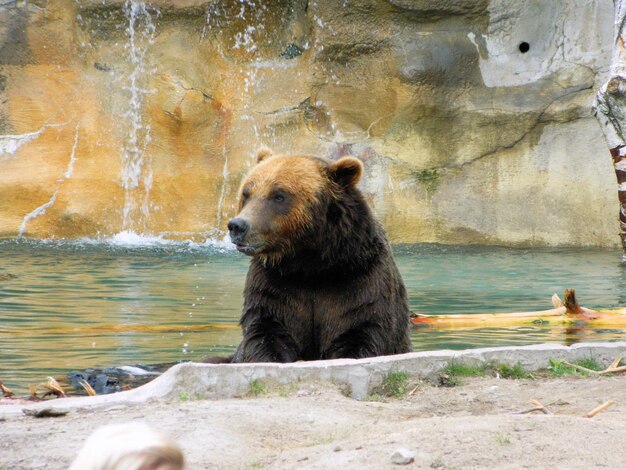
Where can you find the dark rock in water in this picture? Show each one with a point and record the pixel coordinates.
(7, 276)
(116, 379)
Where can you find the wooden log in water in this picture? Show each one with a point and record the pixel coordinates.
(564, 313)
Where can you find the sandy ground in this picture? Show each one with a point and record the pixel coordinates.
(473, 425)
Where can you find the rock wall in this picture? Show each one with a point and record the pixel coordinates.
(472, 116)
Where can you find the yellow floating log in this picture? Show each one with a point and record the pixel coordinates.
(614, 318)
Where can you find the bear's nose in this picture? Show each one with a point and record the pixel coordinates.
(237, 229)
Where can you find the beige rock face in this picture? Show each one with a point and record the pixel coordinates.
(144, 117)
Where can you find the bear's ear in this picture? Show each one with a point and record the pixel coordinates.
(346, 171)
(262, 154)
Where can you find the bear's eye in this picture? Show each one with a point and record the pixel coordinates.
(278, 195)
(245, 195)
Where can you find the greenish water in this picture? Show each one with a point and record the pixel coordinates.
(71, 306)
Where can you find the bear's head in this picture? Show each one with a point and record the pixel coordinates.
(285, 202)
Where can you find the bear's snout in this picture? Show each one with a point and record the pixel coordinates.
(237, 229)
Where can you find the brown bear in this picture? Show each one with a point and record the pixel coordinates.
(322, 281)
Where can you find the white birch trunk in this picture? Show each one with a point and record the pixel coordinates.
(610, 110)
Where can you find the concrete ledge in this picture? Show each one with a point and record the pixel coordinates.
(359, 376)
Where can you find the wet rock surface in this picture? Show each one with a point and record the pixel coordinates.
(116, 379)
(472, 118)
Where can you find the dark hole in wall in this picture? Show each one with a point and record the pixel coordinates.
(523, 47)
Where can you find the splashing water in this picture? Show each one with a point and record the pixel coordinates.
(136, 162)
(250, 13)
(177, 241)
(250, 17)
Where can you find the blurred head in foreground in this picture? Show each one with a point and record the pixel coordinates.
(129, 446)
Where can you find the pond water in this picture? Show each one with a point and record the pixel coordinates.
(71, 306)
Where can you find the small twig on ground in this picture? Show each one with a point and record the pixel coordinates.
(414, 390)
(584, 369)
(6, 391)
(531, 410)
(558, 402)
(600, 408)
(53, 388)
(538, 407)
(542, 408)
(609, 370)
(615, 362)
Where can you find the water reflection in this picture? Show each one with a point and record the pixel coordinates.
(73, 306)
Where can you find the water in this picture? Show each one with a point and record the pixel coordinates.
(137, 170)
(69, 306)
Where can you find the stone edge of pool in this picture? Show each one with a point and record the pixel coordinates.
(359, 376)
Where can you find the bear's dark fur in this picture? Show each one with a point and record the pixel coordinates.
(322, 281)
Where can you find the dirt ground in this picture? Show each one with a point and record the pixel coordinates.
(476, 424)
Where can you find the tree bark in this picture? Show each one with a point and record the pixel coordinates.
(610, 110)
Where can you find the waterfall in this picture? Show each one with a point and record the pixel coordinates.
(136, 170)
(244, 39)
(220, 202)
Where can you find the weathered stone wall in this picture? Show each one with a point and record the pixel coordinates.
(472, 116)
